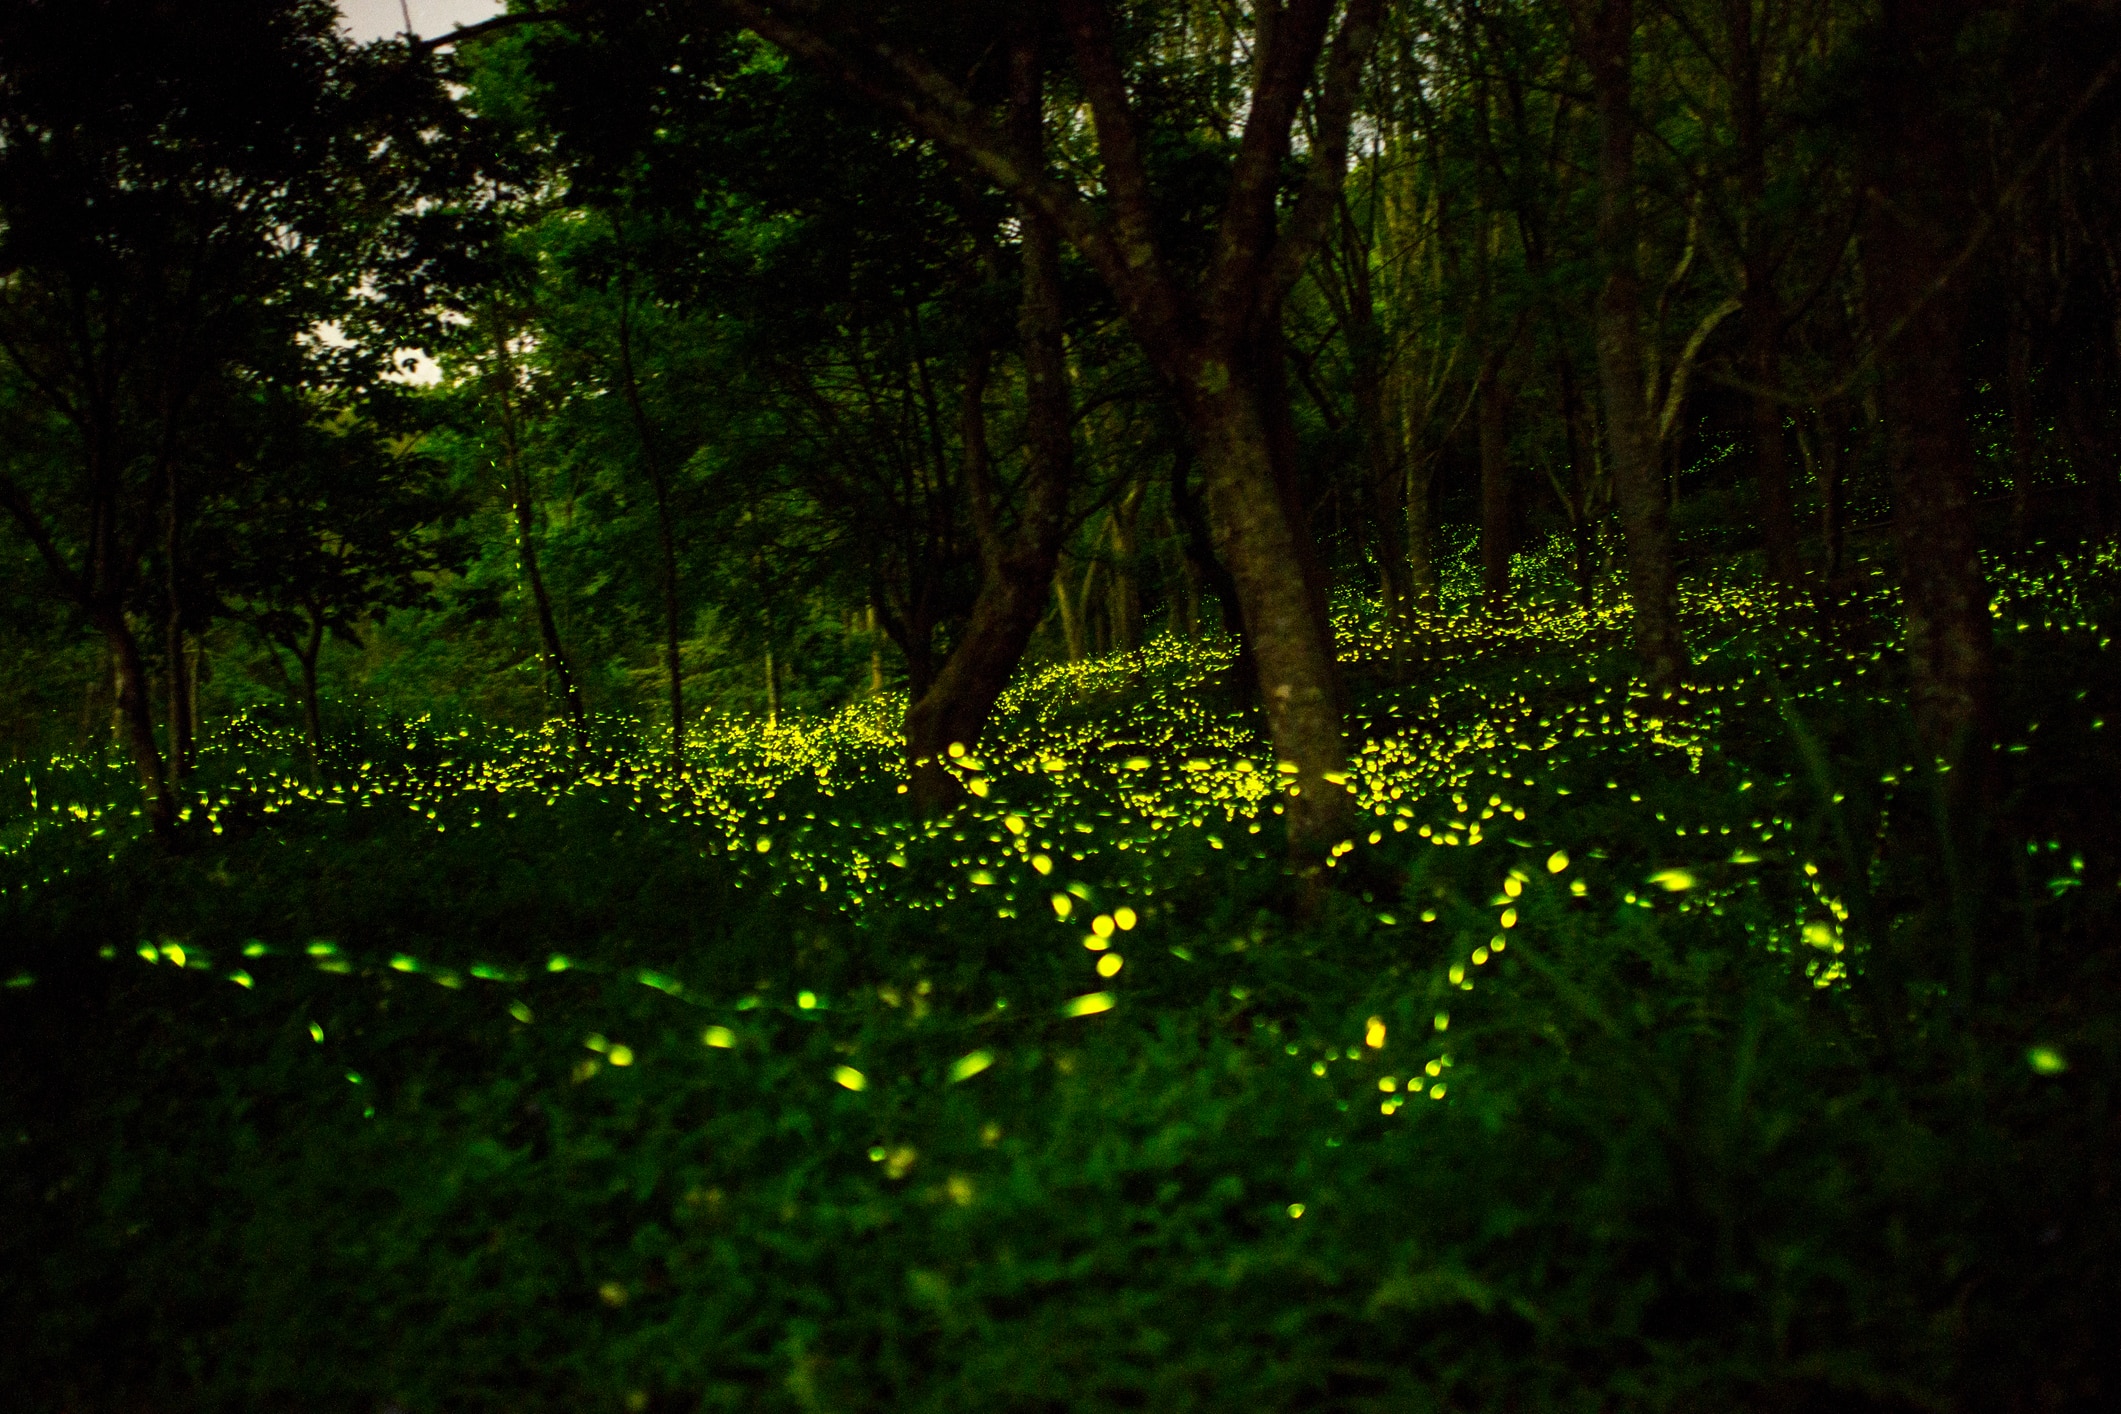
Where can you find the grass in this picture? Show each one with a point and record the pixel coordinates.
(480, 1078)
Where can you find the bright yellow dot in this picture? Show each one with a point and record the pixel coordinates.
(1673, 880)
(1014, 824)
(765, 843)
(620, 1055)
(316, 1033)
(966, 1067)
(1436, 1092)
(1296, 1210)
(1125, 918)
(1043, 863)
(1373, 1033)
(1090, 1004)
(1512, 886)
(1443, 1021)
(719, 1037)
(1063, 905)
(1102, 925)
(1388, 1083)
(806, 1000)
(1109, 964)
(850, 1078)
(1509, 918)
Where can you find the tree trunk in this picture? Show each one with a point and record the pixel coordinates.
(1916, 216)
(1294, 657)
(1605, 32)
(525, 513)
(1016, 569)
(1071, 622)
(773, 689)
(1126, 594)
(136, 724)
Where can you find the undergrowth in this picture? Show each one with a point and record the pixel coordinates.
(1704, 1055)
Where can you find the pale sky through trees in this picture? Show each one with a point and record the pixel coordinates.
(372, 19)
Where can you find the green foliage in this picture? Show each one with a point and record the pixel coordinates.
(547, 1099)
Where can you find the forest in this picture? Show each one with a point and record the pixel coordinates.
(1075, 705)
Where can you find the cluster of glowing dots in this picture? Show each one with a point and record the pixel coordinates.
(1054, 800)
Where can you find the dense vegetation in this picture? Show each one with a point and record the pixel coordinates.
(731, 705)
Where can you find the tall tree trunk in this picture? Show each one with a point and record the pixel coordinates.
(773, 689)
(1760, 307)
(1292, 651)
(666, 537)
(1126, 604)
(1917, 213)
(876, 656)
(1207, 565)
(524, 508)
(1605, 34)
(1071, 621)
(1015, 568)
(136, 722)
(1495, 490)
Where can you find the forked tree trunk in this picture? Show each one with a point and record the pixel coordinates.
(1017, 568)
(1605, 34)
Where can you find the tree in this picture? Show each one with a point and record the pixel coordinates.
(187, 193)
(344, 524)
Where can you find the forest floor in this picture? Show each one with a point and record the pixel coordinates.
(1645, 1056)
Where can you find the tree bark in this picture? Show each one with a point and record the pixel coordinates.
(525, 512)
(1605, 36)
(1917, 211)
(1016, 569)
(1208, 337)
(1126, 603)
(136, 724)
